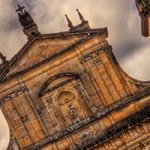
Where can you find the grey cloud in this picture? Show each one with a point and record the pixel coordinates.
(11, 24)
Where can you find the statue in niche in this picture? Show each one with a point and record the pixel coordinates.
(72, 111)
(73, 114)
(66, 100)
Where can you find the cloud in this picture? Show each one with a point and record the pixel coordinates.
(140, 68)
(120, 16)
(4, 133)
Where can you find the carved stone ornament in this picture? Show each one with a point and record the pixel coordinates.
(97, 113)
(42, 51)
(72, 111)
(85, 135)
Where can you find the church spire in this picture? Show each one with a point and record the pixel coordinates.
(69, 22)
(80, 16)
(29, 27)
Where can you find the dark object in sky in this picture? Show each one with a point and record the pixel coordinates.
(29, 27)
(144, 11)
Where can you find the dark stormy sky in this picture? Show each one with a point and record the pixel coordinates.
(120, 16)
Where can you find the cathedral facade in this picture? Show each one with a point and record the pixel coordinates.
(66, 91)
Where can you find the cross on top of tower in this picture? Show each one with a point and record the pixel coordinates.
(20, 9)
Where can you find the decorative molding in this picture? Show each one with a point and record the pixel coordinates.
(106, 48)
(79, 124)
(70, 76)
(142, 143)
(41, 51)
(84, 136)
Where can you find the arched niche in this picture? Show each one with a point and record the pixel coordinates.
(65, 97)
(65, 104)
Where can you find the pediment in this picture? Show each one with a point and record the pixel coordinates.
(43, 47)
(37, 52)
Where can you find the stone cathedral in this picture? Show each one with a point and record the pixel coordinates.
(66, 91)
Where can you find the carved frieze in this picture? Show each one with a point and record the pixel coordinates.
(84, 136)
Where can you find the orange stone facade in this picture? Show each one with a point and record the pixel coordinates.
(66, 91)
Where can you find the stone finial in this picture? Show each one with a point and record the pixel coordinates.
(20, 9)
(69, 22)
(3, 58)
(80, 16)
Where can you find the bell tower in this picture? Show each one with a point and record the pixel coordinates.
(29, 27)
(144, 11)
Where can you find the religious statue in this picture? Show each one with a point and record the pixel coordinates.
(24, 17)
